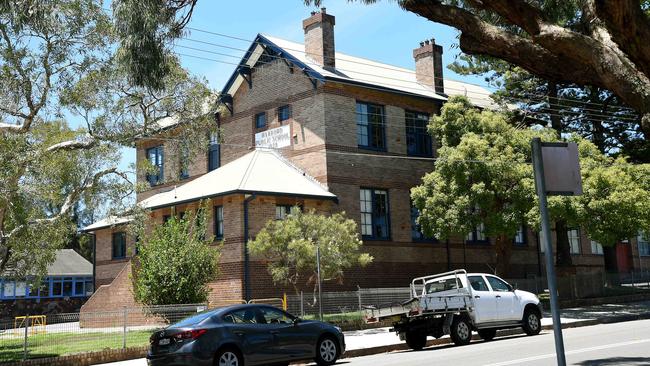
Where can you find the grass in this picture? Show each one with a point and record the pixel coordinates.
(59, 344)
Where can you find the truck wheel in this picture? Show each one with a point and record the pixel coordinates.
(416, 340)
(461, 331)
(531, 322)
(487, 334)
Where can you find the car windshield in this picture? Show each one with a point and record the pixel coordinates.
(194, 319)
(443, 285)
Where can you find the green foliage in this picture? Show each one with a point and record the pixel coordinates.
(483, 175)
(175, 261)
(289, 246)
(144, 28)
(57, 59)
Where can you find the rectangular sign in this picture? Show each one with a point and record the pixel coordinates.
(561, 169)
(274, 138)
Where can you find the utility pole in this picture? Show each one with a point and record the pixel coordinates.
(320, 296)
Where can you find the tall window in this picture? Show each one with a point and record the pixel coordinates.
(155, 155)
(214, 152)
(184, 162)
(596, 248)
(119, 245)
(218, 222)
(374, 213)
(643, 240)
(416, 229)
(418, 140)
(520, 237)
(477, 235)
(574, 240)
(284, 113)
(260, 120)
(371, 133)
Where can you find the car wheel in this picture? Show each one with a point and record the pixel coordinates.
(461, 331)
(532, 324)
(228, 357)
(487, 334)
(416, 340)
(327, 351)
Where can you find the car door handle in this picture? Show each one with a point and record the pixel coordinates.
(498, 296)
(239, 333)
(274, 332)
(477, 297)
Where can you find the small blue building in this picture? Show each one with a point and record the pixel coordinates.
(69, 282)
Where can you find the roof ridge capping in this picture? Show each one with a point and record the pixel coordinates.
(293, 166)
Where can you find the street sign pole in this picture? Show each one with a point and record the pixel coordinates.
(320, 296)
(538, 168)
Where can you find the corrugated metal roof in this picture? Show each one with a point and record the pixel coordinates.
(107, 222)
(364, 71)
(261, 171)
(69, 263)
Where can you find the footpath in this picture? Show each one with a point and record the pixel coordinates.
(381, 340)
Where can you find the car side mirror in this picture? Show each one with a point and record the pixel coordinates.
(512, 288)
(296, 321)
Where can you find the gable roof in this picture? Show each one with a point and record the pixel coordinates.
(356, 70)
(262, 171)
(69, 263)
(107, 222)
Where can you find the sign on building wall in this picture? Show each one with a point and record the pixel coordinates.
(274, 138)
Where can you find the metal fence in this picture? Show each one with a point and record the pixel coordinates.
(58, 334)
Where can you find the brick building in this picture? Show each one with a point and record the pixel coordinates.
(347, 134)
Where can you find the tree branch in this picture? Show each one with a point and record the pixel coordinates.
(69, 201)
(88, 142)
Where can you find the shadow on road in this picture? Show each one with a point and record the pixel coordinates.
(631, 361)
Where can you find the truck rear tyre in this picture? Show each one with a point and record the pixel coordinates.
(487, 334)
(531, 323)
(416, 340)
(461, 331)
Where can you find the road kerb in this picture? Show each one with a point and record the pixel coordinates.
(508, 332)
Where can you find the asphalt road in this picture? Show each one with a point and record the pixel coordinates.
(625, 343)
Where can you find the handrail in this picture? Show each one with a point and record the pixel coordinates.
(424, 279)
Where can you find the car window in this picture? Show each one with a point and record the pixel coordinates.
(443, 285)
(242, 316)
(478, 283)
(275, 316)
(195, 319)
(498, 285)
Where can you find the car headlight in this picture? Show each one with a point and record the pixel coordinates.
(339, 329)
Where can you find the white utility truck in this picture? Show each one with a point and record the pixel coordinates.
(456, 303)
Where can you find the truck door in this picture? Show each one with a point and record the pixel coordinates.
(485, 309)
(507, 301)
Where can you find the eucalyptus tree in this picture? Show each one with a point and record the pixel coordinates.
(57, 65)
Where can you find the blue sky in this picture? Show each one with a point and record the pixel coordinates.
(380, 32)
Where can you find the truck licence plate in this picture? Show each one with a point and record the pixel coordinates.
(164, 342)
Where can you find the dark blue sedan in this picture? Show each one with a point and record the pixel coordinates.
(245, 335)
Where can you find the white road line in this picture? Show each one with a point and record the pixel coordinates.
(582, 350)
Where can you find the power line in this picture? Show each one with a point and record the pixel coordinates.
(375, 65)
(594, 116)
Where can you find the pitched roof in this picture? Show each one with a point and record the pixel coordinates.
(356, 70)
(69, 263)
(107, 222)
(261, 171)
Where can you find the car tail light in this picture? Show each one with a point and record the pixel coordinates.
(189, 334)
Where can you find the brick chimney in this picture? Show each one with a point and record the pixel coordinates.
(428, 65)
(319, 38)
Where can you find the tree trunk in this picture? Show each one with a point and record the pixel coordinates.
(563, 257)
(610, 258)
(503, 248)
